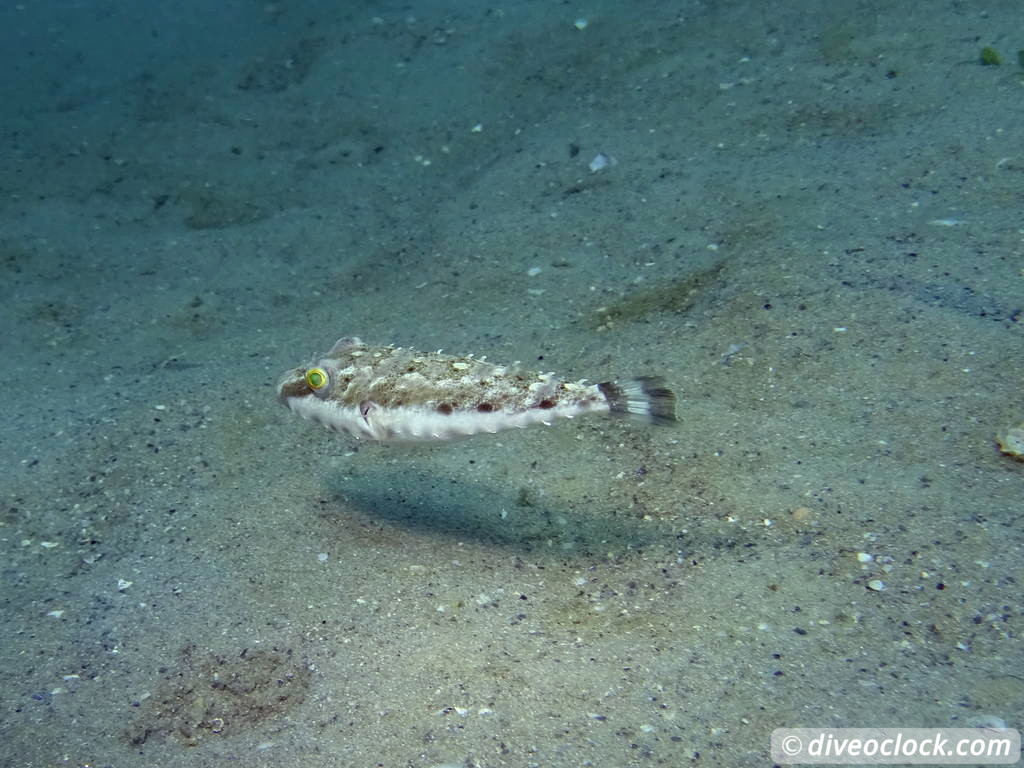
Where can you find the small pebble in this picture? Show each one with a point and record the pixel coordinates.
(600, 162)
(876, 585)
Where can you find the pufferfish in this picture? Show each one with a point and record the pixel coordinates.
(397, 394)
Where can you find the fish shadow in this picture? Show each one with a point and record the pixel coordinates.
(439, 505)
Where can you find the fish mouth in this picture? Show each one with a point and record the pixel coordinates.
(292, 384)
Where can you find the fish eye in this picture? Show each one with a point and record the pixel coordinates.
(317, 379)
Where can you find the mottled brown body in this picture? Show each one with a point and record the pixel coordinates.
(391, 393)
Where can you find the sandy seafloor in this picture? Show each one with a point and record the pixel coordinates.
(813, 230)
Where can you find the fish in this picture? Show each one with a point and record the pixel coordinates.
(397, 394)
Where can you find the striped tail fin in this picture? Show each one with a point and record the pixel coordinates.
(645, 398)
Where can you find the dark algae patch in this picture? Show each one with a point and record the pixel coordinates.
(210, 694)
(677, 296)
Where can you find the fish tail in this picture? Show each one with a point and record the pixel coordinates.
(645, 398)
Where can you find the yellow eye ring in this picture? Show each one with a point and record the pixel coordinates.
(317, 379)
